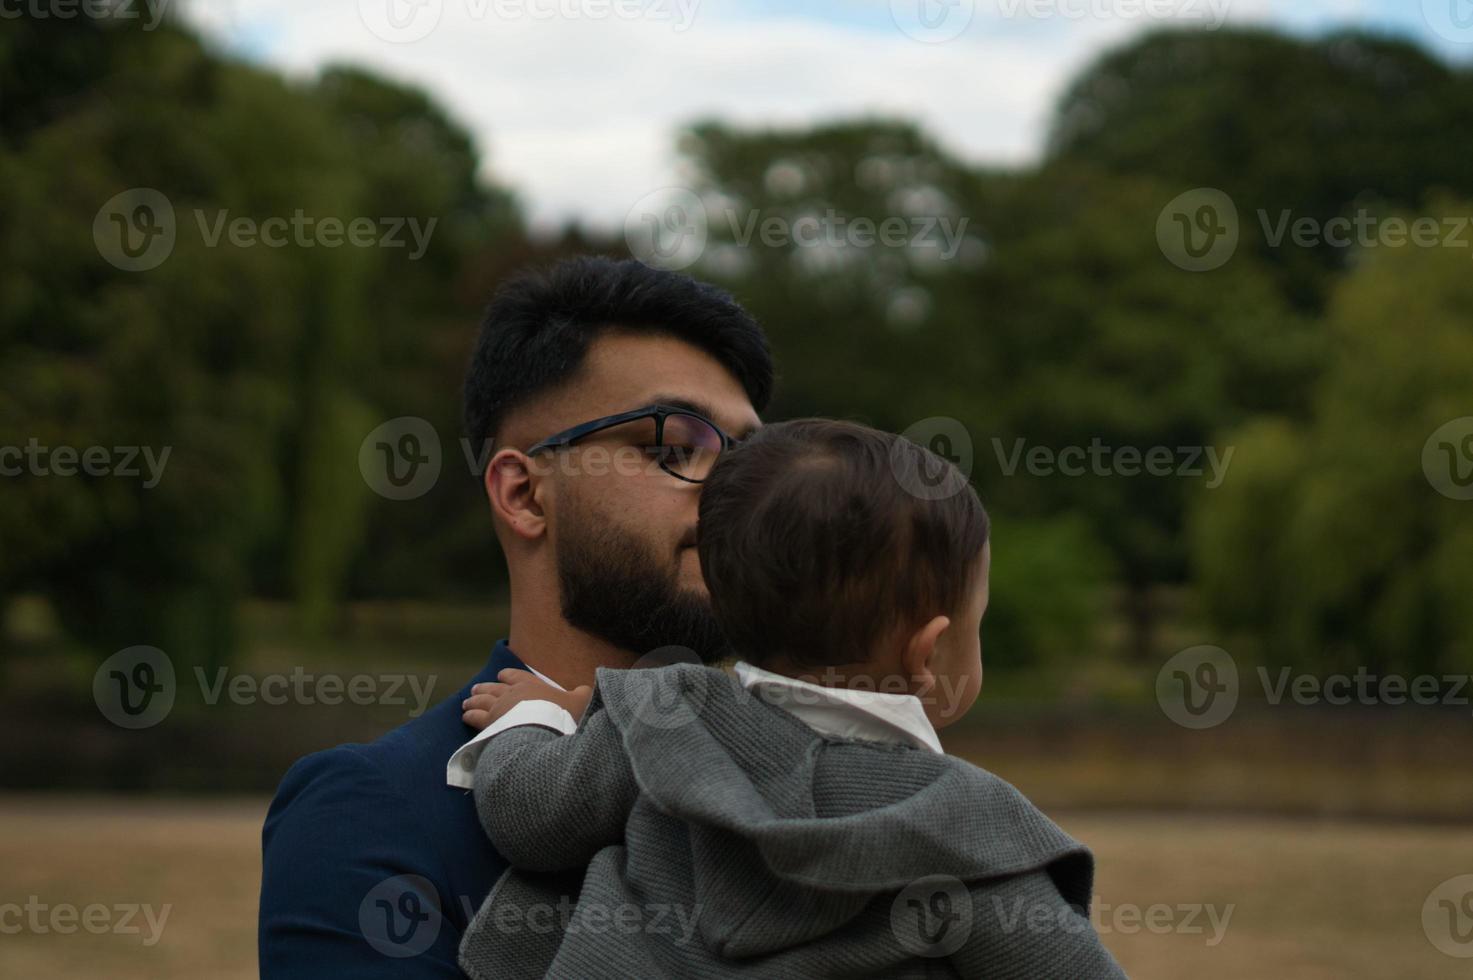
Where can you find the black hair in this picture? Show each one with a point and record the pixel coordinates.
(537, 330)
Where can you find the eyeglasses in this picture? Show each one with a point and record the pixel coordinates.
(685, 443)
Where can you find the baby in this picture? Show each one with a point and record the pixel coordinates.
(798, 819)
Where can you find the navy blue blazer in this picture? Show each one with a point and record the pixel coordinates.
(371, 865)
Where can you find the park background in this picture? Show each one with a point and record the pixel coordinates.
(1078, 308)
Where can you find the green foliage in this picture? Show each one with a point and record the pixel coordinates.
(1036, 308)
(1331, 545)
(259, 369)
(1314, 126)
(1049, 582)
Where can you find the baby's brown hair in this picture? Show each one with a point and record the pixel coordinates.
(819, 537)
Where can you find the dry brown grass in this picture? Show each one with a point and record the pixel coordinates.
(1310, 900)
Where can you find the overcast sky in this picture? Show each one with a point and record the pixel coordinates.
(575, 103)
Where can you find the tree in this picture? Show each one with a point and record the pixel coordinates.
(1312, 127)
(1333, 546)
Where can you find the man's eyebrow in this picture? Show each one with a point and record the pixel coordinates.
(676, 401)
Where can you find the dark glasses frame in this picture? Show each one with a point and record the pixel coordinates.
(659, 413)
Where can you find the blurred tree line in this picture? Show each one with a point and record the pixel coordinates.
(1054, 321)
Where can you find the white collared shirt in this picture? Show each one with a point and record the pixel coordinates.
(842, 712)
(462, 764)
(845, 712)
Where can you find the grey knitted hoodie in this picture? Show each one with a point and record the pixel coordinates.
(690, 829)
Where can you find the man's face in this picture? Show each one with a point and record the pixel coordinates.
(622, 529)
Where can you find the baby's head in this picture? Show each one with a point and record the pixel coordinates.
(829, 557)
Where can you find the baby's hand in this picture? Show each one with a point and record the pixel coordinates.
(492, 700)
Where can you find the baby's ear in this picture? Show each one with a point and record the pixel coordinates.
(919, 654)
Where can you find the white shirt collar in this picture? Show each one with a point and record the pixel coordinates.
(461, 767)
(845, 712)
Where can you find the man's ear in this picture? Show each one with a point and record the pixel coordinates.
(918, 657)
(514, 490)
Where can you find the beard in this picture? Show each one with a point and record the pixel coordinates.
(614, 587)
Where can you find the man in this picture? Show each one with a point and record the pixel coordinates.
(606, 389)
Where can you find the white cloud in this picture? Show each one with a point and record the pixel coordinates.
(579, 115)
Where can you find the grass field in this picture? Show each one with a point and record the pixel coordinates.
(1197, 896)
